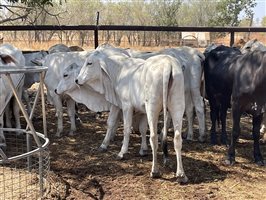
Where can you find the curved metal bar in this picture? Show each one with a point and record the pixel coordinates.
(25, 155)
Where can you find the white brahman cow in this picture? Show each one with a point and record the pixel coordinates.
(192, 60)
(96, 102)
(56, 64)
(10, 56)
(136, 85)
(249, 46)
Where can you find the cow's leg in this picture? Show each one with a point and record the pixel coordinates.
(16, 113)
(2, 136)
(25, 96)
(71, 110)
(8, 115)
(189, 114)
(236, 114)
(176, 112)
(199, 107)
(152, 121)
(77, 118)
(127, 121)
(256, 136)
(57, 102)
(263, 139)
(143, 127)
(112, 124)
(223, 123)
(263, 129)
(213, 115)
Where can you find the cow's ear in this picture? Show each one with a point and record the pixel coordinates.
(8, 59)
(255, 40)
(106, 80)
(103, 66)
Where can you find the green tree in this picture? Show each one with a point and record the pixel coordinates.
(20, 10)
(228, 12)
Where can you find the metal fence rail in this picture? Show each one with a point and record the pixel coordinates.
(96, 28)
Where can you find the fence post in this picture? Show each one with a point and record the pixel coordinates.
(232, 38)
(96, 41)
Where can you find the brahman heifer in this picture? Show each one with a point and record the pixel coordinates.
(248, 95)
(192, 60)
(56, 64)
(96, 102)
(10, 56)
(135, 85)
(218, 74)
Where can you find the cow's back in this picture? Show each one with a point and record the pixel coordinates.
(218, 70)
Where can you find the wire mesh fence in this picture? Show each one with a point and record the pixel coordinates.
(25, 175)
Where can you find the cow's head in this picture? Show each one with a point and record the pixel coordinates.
(253, 45)
(67, 82)
(91, 71)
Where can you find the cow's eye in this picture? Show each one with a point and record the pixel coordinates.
(248, 47)
(65, 75)
(89, 63)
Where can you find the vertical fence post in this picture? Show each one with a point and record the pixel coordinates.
(96, 40)
(232, 38)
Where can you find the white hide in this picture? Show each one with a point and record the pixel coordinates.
(56, 64)
(253, 45)
(96, 102)
(136, 85)
(10, 56)
(191, 60)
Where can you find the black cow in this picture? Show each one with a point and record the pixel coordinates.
(248, 95)
(218, 73)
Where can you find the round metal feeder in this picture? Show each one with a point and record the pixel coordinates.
(24, 158)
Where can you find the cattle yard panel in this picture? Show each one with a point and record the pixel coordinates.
(92, 35)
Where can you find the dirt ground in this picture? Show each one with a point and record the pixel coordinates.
(80, 171)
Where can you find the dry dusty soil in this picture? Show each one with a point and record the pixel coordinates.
(80, 171)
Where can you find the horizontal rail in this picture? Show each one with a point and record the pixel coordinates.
(132, 28)
(96, 28)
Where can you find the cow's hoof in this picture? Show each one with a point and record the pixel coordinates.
(213, 138)
(229, 161)
(182, 179)
(202, 138)
(143, 153)
(71, 133)
(262, 141)
(102, 149)
(190, 137)
(156, 175)
(260, 163)
(121, 156)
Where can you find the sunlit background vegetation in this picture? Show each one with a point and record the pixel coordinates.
(206, 13)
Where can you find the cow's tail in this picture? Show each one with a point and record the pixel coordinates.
(167, 76)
